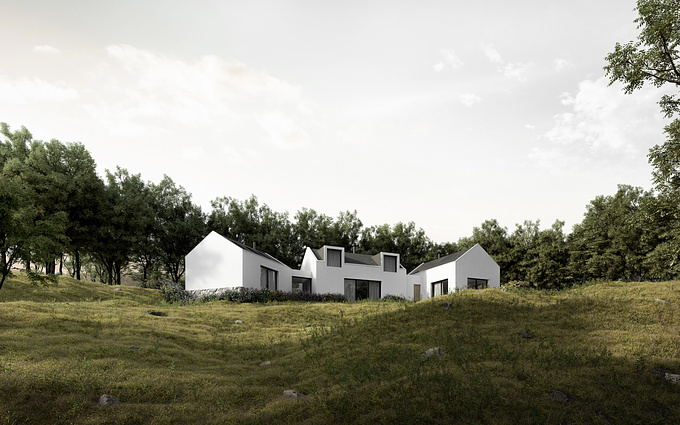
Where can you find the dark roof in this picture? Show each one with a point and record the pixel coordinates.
(253, 250)
(439, 261)
(352, 258)
(368, 260)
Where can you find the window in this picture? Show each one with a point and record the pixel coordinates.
(356, 290)
(333, 257)
(474, 283)
(268, 278)
(390, 263)
(440, 287)
(303, 284)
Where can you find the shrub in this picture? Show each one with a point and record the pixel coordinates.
(397, 298)
(173, 292)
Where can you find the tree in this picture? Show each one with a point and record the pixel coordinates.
(655, 59)
(494, 239)
(180, 225)
(403, 238)
(30, 228)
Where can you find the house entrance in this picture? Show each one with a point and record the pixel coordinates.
(416, 292)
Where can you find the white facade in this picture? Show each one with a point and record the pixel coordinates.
(457, 271)
(218, 263)
(354, 267)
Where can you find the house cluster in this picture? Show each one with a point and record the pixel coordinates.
(218, 263)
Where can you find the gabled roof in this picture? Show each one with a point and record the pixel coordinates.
(253, 250)
(439, 261)
(352, 258)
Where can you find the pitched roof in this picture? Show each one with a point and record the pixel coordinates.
(253, 250)
(439, 261)
(352, 258)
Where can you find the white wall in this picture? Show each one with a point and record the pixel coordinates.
(478, 264)
(214, 263)
(475, 263)
(251, 271)
(332, 279)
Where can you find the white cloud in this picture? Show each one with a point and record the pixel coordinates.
(492, 54)
(139, 91)
(26, 90)
(602, 124)
(447, 58)
(516, 70)
(469, 99)
(46, 49)
(283, 131)
(560, 64)
(530, 126)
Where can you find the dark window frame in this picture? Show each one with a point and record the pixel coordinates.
(394, 265)
(306, 283)
(477, 283)
(266, 282)
(445, 286)
(331, 260)
(364, 286)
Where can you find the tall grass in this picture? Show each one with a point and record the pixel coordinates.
(602, 345)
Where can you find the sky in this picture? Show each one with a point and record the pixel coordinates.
(444, 113)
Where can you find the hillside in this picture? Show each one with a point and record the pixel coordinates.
(598, 355)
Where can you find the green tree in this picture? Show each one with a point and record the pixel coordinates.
(494, 239)
(403, 238)
(125, 213)
(548, 258)
(180, 225)
(654, 58)
(31, 229)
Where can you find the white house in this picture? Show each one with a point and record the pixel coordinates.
(358, 276)
(217, 263)
(472, 268)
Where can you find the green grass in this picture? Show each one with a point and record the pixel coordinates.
(63, 346)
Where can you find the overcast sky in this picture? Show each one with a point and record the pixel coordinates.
(444, 113)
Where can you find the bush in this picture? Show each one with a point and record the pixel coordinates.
(173, 292)
(397, 298)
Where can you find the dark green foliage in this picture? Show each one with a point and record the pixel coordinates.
(174, 293)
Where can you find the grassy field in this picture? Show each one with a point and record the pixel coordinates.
(603, 347)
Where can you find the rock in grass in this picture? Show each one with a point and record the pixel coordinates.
(157, 313)
(107, 400)
(265, 363)
(432, 352)
(526, 335)
(559, 396)
(134, 347)
(238, 322)
(293, 394)
(673, 378)
(117, 289)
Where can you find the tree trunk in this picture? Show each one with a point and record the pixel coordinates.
(76, 266)
(61, 264)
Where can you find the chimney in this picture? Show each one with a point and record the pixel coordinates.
(254, 245)
(354, 249)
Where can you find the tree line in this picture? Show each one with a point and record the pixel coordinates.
(56, 209)
(57, 213)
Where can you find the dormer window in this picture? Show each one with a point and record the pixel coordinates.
(390, 263)
(333, 257)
